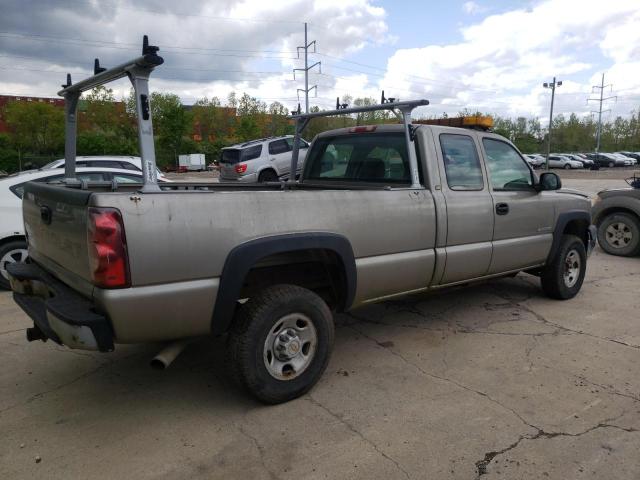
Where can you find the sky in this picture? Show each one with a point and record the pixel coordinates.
(486, 55)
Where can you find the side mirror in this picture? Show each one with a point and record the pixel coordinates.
(549, 181)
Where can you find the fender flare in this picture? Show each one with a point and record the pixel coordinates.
(563, 220)
(244, 256)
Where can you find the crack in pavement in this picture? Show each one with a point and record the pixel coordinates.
(445, 379)
(359, 434)
(481, 465)
(12, 331)
(261, 451)
(39, 395)
(542, 319)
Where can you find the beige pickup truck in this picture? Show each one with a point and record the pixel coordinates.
(379, 212)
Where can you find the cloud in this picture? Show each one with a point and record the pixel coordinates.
(212, 46)
(472, 8)
(502, 60)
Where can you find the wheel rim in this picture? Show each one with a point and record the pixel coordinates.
(290, 346)
(12, 256)
(572, 265)
(618, 235)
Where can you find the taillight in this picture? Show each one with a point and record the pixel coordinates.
(241, 168)
(107, 248)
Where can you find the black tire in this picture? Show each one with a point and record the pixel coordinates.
(556, 279)
(256, 322)
(267, 176)
(614, 231)
(567, 166)
(6, 249)
(611, 165)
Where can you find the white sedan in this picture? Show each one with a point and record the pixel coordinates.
(13, 246)
(106, 161)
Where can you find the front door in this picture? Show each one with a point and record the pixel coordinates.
(469, 209)
(523, 217)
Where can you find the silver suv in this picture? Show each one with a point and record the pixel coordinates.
(261, 160)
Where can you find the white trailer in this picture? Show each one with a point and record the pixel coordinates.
(191, 162)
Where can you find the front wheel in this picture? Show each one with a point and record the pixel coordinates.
(11, 252)
(280, 343)
(562, 278)
(567, 166)
(619, 234)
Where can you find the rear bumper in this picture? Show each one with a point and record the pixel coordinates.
(593, 235)
(58, 313)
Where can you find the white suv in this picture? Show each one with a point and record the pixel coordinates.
(262, 160)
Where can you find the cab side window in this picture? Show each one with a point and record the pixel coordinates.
(461, 162)
(507, 168)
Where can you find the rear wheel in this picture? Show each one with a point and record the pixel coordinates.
(267, 176)
(11, 252)
(280, 343)
(562, 278)
(567, 166)
(611, 165)
(619, 234)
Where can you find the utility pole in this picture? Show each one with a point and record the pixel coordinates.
(600, 100)
(306, 69)
(552, 86)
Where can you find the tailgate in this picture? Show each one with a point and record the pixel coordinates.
(55, 219)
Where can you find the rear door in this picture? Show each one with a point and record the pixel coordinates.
(469, 207)
(280, 155)
(523, 222)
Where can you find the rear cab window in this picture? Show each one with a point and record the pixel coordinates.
(372, 158)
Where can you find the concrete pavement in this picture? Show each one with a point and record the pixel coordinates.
(491, 381)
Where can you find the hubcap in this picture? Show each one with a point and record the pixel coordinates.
(618, 235)
(571, 268)
(12, 256)
(290, 346)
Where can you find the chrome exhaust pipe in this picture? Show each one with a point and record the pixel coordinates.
(168, 354)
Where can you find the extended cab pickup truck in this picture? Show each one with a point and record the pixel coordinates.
(379, 212)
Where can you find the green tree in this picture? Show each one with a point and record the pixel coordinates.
(36, 127)
(171, 123)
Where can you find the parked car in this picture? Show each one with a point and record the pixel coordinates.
(380, 211)
(616, 213)
(606, 160)
(628, 161)
(123, 162)
(634, 155)
(261, 160)
(560, 161)
(13, 246)
(347, 235)
(586, 162)
(535, 160)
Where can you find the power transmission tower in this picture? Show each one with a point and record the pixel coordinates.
(306, 69)
(552, 86)
(601, 99)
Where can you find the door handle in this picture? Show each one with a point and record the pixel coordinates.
(273, 159)
(502, 208)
